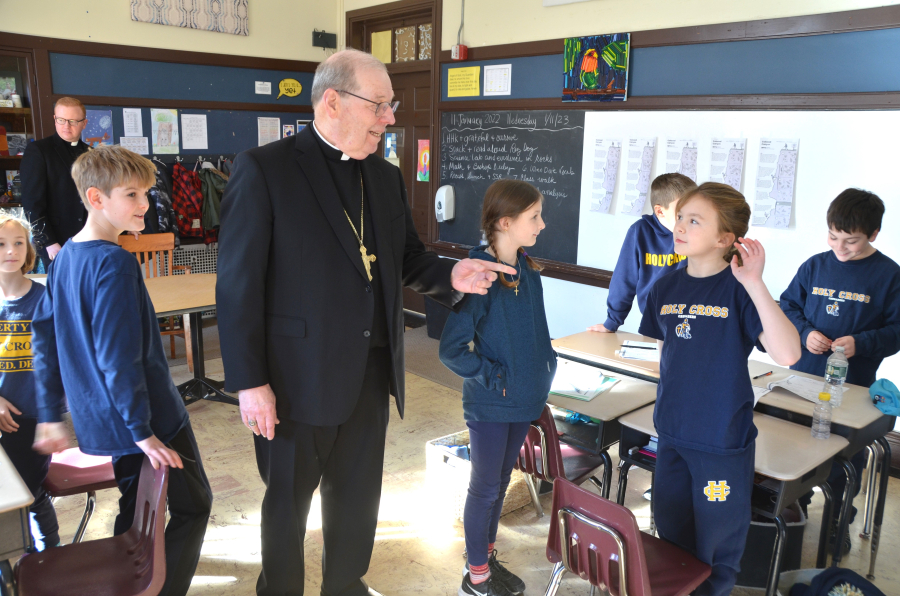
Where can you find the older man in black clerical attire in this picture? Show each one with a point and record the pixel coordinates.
(49, 195)
(316, 243)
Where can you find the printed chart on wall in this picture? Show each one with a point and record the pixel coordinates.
(681, 158)
(607, 154)
(540, 147)
(164, 125)
(775, 180)
(726, 164)
(638, 175)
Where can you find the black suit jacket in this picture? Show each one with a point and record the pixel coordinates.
(294, 304)
(49, 195)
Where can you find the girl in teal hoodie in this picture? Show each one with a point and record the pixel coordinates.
(507, 375)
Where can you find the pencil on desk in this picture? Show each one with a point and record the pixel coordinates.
(637, 347)
(762, 375)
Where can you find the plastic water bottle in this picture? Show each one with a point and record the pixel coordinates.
(821, 421)
(835, 374)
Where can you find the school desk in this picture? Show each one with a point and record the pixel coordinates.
(857, 419)
(625, 396)
(780, 480)
(190, 295)
(599, 349)
(15, 531)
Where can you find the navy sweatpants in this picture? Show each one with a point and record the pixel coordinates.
(33, 468)
(493, 448)
(702, 504)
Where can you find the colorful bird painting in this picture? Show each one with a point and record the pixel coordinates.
(589, 69)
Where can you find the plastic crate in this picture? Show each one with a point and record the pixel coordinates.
(447, 478)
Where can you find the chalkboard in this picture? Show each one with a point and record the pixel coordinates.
(541, 147)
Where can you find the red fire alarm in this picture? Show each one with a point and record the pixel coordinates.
(459, 52)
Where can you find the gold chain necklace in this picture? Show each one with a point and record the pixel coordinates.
(367, 259)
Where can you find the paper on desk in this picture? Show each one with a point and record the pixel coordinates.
(758, 392)
(638, 354)
(580, 381)
(808, 389)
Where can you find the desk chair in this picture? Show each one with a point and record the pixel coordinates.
(544, 457)
(155, 254)
(132, 564)
(73, 473)
(599, 541)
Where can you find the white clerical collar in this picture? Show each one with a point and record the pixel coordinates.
(75, 144)
(344, 156)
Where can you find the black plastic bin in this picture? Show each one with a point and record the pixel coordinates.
(761, 544)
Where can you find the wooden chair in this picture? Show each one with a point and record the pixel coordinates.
(131, 564)
(73, 473)
(155, 254)
(544, 457)
(599, 541)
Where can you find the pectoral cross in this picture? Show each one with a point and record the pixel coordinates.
(517, 289)
(368, 259)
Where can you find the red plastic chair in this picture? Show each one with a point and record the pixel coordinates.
(132, 564)
(73, 473)
(544, 457)
(599, 541)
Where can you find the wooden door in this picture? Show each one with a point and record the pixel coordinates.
(413, 124)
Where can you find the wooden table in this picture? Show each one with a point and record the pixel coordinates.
(190, 295)
(625, 396)
(858, 420)
(15, 531)
(785, 478)
(599, 349)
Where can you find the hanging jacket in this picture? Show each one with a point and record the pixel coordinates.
(187, 201)
(212, 185)
(160, 196)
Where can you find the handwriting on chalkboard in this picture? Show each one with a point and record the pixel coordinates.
(495, 146)
(541, 147)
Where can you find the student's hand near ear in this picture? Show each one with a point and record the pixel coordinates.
(819, 344)
(848, 343)
(51, 437)
(599, 329)
(159, 453)
(753, 257)
(7, 424)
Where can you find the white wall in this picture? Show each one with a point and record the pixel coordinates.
(278, 28)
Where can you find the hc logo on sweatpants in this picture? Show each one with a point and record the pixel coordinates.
(716, 491)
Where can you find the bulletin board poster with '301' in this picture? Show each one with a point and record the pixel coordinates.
(596, 68)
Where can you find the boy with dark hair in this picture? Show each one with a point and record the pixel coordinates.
(647, 252)
(97, 345)
(850, 297)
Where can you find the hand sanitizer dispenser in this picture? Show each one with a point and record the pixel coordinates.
(444, 204)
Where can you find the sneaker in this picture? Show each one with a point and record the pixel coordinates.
(512, 582)
(491, 587)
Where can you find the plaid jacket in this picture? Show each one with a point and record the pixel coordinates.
(187, 201)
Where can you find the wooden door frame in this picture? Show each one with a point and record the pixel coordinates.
(355, 32)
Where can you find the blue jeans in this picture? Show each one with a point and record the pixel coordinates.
(494, 448)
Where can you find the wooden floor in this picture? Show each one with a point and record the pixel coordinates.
(418, 550)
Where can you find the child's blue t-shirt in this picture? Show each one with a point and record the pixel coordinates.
(646, 255)
(96, 340)
(16, 360)
(709, 326)
(858, 298)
